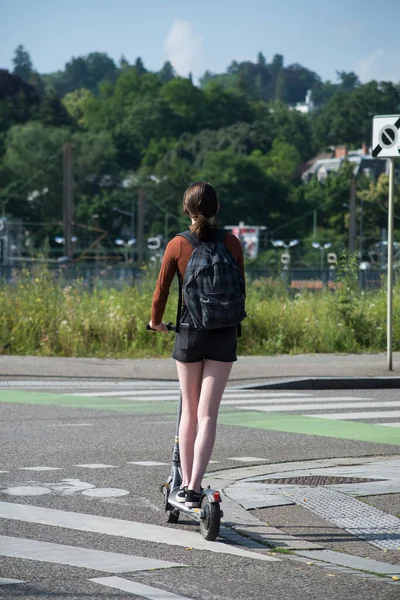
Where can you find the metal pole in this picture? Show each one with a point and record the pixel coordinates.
(68, 199)
(390, 267)
(140, 226)
(322, 260)
(352, 208)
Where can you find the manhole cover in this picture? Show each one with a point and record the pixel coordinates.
(317, 480)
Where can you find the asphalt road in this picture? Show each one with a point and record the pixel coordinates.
(75, 473)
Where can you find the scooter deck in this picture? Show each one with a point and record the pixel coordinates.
(196, 513)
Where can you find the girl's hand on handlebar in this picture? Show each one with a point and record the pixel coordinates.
(162, 328)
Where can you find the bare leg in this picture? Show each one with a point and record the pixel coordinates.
(215, 376)
(190, 377)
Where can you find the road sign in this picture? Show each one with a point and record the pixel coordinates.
(386, 136)
(285, 258)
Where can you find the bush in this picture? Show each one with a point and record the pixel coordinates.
(41, 314)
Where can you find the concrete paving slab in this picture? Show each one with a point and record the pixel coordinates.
(354, 562)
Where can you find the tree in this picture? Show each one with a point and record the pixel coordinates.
(261, 59)
(75, 103)
(245, 191)
(140, 66)
(22, 63)
(34, 159)
(187, 101)
(123, 63)
(167, 72)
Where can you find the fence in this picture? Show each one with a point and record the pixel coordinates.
(296, 279)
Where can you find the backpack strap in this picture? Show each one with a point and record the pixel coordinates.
(192, 239)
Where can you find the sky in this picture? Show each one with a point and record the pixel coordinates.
(326, 37)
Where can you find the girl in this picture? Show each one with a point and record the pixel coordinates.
(203, 358)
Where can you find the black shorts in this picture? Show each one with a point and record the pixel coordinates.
(193, 345)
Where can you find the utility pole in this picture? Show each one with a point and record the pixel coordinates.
(352, 208)
(68, 169)
(140, 226)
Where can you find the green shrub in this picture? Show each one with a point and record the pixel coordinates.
(43, 315)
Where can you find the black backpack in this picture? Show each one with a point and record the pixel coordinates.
(213, 286)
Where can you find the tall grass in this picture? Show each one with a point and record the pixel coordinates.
(42, 315)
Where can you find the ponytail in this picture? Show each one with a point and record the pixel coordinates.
(203, 228)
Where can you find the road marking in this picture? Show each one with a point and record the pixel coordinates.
(96, 466)
(120, 528)
(360, 415)
(70, 425)
(27, 490)
(156, 393)
(146, 591)
(5, 581)
(78, 557)
(248, 459)
(320, 425)
(294, 407)
(105, 493)
(40, 468)
(147, 463)
(291, 400)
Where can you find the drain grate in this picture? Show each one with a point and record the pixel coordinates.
(316, 480)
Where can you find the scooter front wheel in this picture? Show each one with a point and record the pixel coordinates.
(172, 513)
(210, 524)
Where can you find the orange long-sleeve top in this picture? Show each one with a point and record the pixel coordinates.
(176, 258)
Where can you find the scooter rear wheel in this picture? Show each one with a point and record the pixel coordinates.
(210, 524)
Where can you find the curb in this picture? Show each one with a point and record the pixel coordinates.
(326, 383)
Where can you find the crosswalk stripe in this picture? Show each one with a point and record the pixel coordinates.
(334, 405)
(7, 581)
(156, 393)
(139, 589)
(119, 528)
(291, 400)
(88, 558)
(384, 414)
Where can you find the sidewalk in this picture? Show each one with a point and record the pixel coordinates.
(248, 369)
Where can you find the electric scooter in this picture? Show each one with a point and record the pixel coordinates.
(209, 513)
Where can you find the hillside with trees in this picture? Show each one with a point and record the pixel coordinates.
(131, 128)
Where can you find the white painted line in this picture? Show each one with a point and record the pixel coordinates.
(145, 591)
(147, 463)
(105, 493)
(291, 400)
(155, 392)
(96, 466)
(359, 415)
(70, 425)
(248, 459)
(389, 424)
(78, 557)
(120, 528)
(4, 471)
(27, 490)
(40, 469)
(168, 392)
(5, 581)
(294, 407)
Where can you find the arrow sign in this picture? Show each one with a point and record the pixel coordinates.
(386, 137)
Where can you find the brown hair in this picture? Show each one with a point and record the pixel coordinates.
(200, 202)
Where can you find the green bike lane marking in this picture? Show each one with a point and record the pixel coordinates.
(350, 430)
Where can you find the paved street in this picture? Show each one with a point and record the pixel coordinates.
(81, 510)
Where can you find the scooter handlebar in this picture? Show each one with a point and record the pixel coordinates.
(169, 325)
